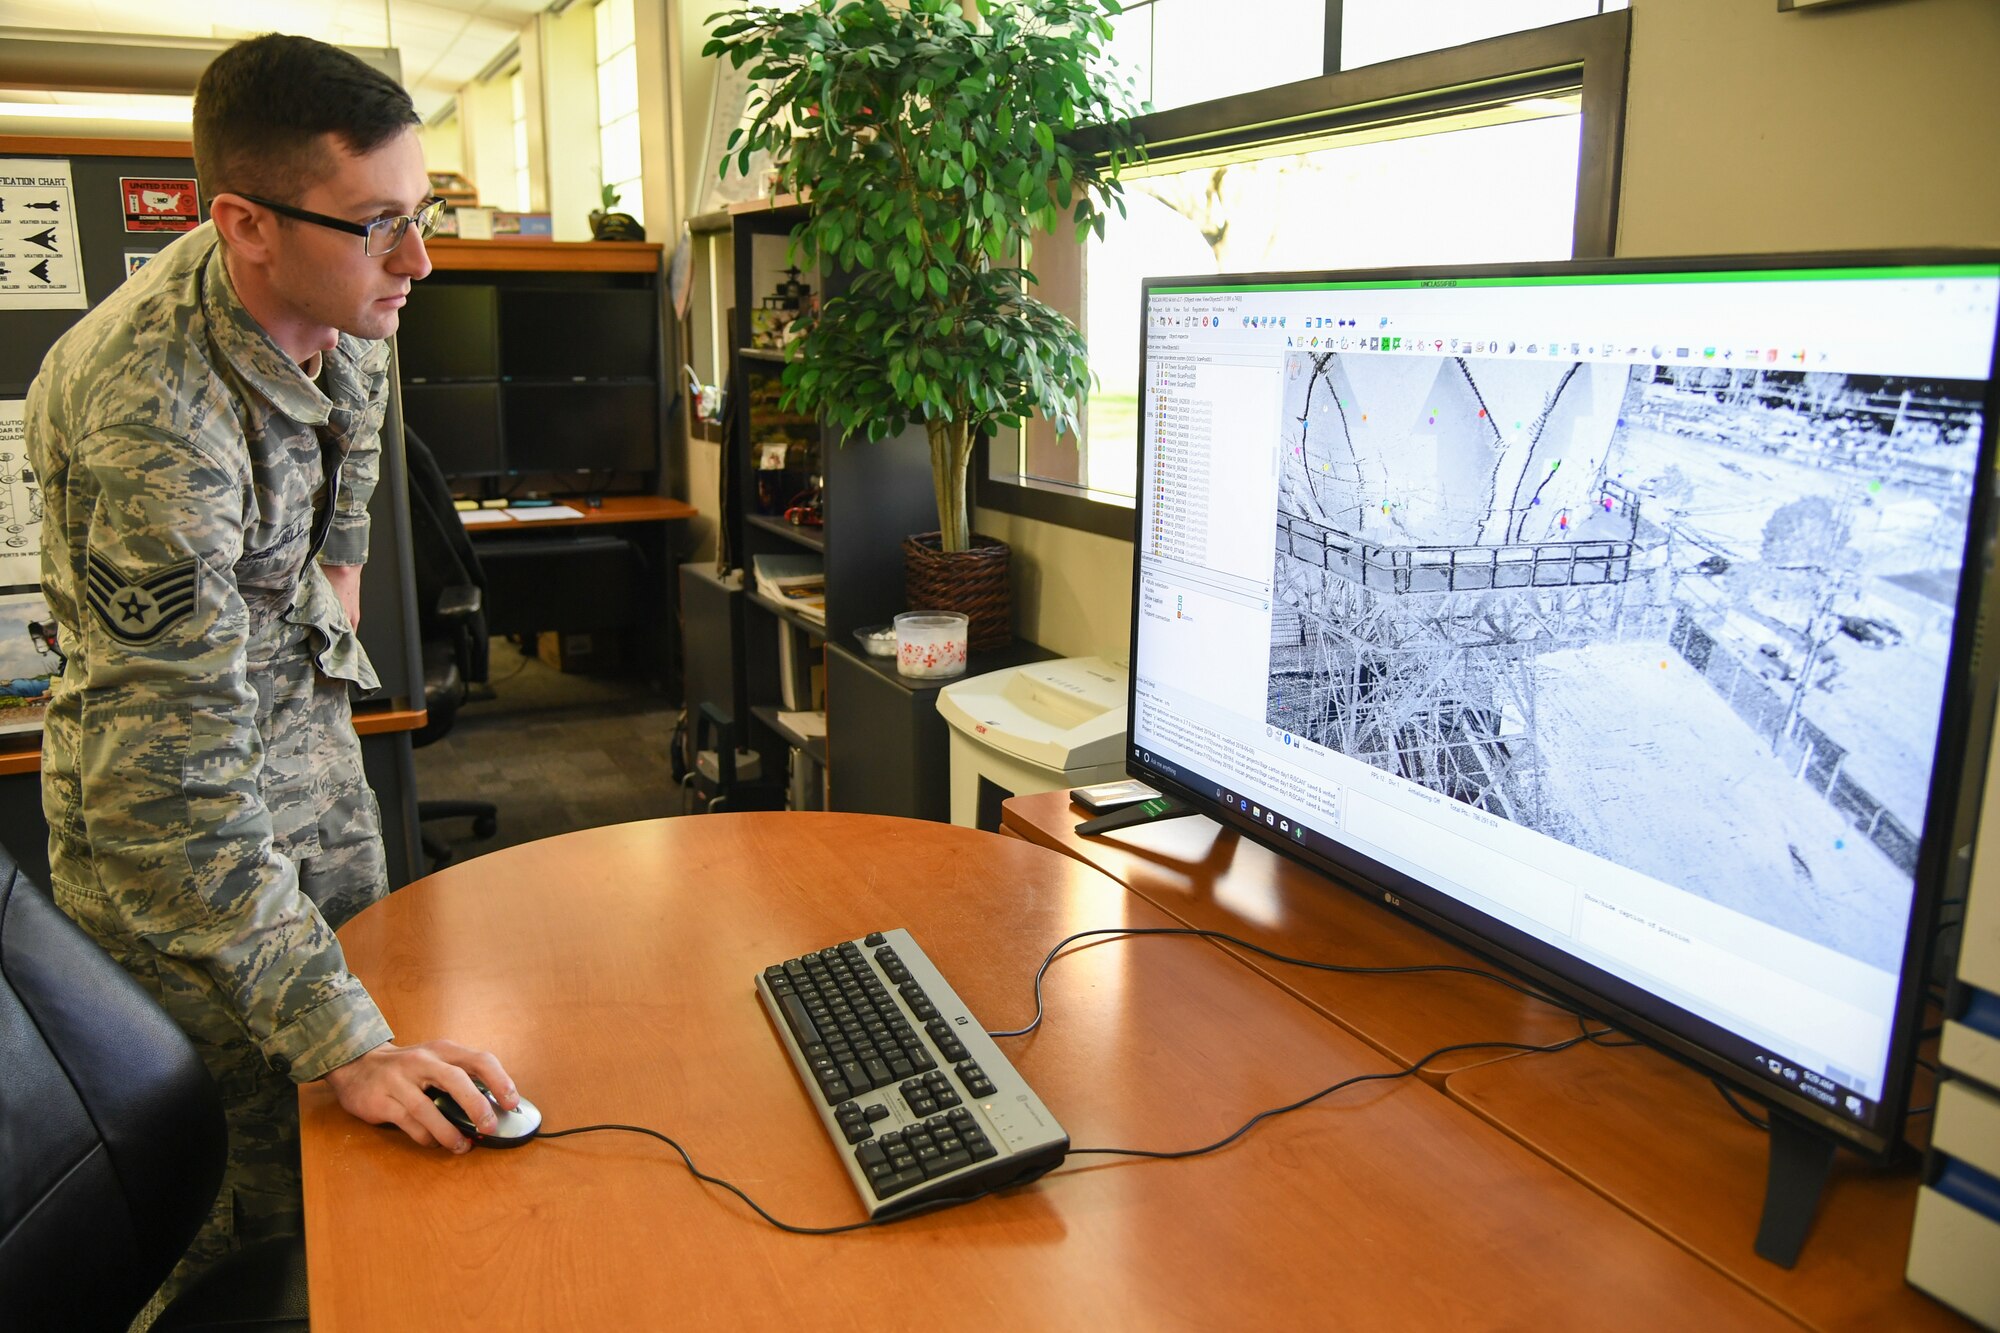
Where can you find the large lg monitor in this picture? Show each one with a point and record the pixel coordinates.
(1614, 617)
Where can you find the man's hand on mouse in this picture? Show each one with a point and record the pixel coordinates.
(389, 1086)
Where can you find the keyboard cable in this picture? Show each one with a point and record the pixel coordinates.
(1126, 932)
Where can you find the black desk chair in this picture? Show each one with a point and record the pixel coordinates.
(714, 779)
(114, 1146)
(451, 625)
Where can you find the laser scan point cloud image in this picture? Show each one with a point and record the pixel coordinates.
(1640, 609)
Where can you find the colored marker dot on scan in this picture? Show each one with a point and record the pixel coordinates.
(1840, 844)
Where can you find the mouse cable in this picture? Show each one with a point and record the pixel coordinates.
(1219, 1144)
(1354, 968)
(1388, 1075)
(756, 1207)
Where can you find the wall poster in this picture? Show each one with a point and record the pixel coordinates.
(41, 266)
(28, 651)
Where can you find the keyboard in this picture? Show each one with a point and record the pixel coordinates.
(919, 1102)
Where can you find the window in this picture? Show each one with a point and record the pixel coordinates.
(1372, 31)
(1500, 152)
(618, 105)
(517, 93)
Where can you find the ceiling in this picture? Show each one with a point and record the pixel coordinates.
(444, 44)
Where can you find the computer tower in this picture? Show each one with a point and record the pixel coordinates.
(1955, 1242)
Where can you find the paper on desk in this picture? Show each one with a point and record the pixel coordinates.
(537, 515)
(806, 724)
(469, 517)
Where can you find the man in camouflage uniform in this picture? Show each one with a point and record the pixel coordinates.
(208, 442)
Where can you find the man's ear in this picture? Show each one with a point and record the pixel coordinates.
(245, 228)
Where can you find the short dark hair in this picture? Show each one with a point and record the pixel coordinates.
(262, 106)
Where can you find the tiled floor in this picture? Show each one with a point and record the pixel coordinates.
(554, 752)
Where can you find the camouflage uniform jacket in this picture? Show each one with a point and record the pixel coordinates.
(183, 459)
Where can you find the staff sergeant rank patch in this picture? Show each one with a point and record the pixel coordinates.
(138, 611)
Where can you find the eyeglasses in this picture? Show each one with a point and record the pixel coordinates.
(378, 237)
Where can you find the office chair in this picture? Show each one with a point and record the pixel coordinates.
(114, 1146)
(451, 626)
(722, 775)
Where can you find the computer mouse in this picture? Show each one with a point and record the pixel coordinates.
(515, 1127)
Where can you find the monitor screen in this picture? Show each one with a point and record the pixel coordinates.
(582, 427)
(1613, 617)
(447, 333)
(460, 423)
(575, 334)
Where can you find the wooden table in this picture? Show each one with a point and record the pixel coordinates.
(611, 970)
(1644, 1132)
(608, 509)
(370, 719)
(544, 579)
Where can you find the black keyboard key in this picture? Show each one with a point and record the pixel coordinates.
(872, 1154)
(876, 1112)
(950, 1161)
(856, 1076)
(801, 1021)
(980, 1149)
(874, 938)
(878, 1071)
(857, 1130)
(896, 1184)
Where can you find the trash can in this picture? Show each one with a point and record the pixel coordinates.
(1032, 728)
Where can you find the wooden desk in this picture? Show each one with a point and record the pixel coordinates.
(612, 970)
(1210, 877)
(1647, 1133)
(610, 509)
(369, 720)
(529, 590)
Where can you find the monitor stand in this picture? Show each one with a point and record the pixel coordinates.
(1145, 812)
(1801, 1159)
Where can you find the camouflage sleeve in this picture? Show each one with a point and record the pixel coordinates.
(171, 760)
(360, 390)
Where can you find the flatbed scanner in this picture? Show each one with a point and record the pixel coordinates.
(1032, 728)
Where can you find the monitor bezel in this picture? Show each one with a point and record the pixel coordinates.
(1959, 758)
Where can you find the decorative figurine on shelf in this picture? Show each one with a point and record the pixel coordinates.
(808, 507)
(773, 324)
(606, 225)
(792, 292)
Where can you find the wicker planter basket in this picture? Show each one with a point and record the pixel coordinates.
(974, 582)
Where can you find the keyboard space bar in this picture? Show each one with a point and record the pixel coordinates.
(802, 1025)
